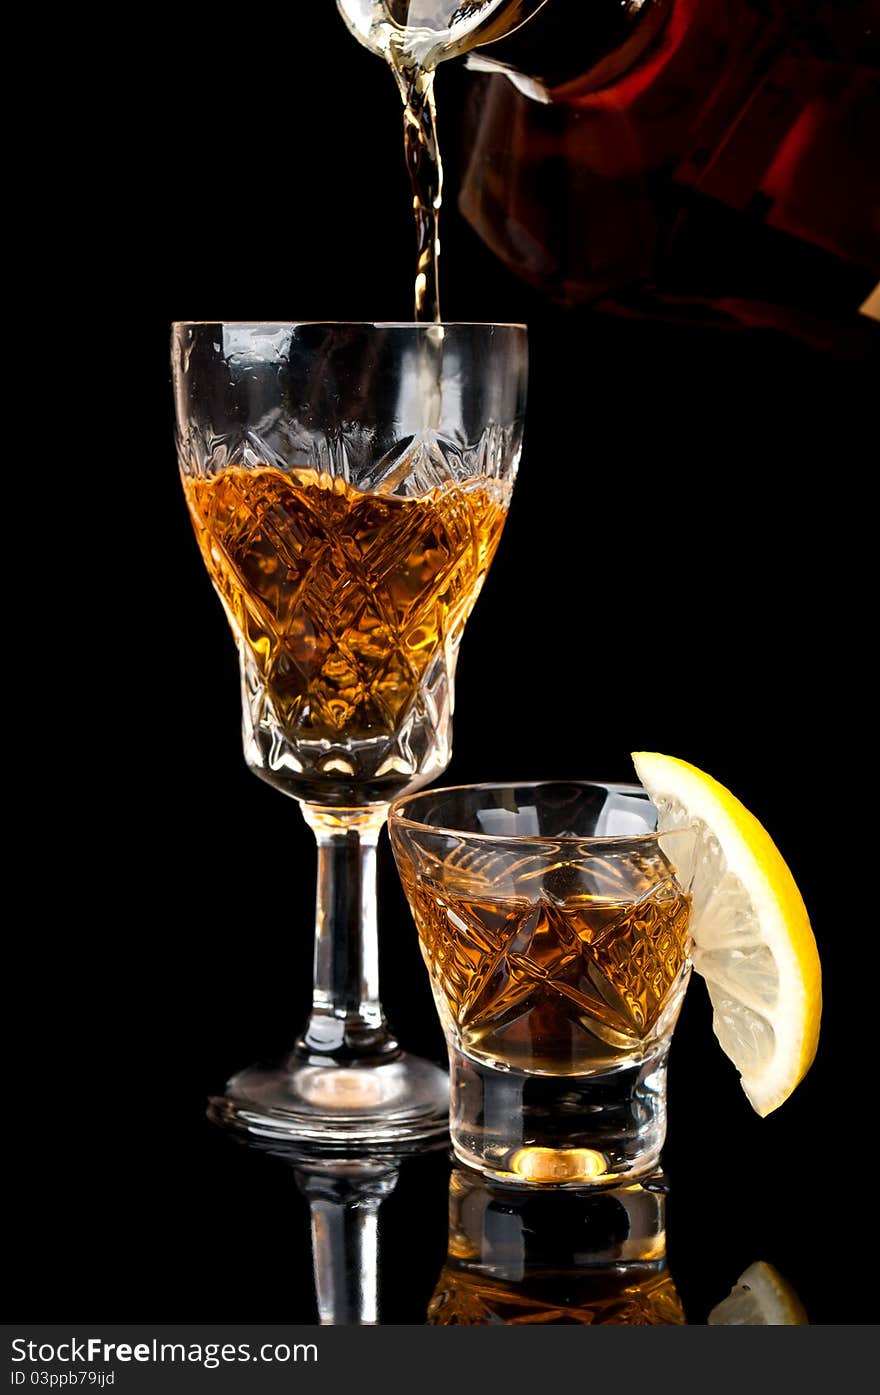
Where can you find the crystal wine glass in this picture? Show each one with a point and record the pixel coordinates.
(348, 484)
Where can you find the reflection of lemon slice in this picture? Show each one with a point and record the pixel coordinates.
(752, 939)
(760, 1298)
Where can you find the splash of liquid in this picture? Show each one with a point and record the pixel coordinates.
(422, 152)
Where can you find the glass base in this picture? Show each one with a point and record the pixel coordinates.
(395, 1102)
(602, 1130)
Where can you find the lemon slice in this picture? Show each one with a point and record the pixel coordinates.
(752, 938)
(759, 1298)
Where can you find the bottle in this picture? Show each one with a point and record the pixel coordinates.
(709, 159)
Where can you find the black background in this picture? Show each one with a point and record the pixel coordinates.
(684, 569)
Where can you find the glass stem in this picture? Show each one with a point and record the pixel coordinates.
(347, 1023)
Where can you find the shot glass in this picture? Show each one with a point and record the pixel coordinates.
(553, 919)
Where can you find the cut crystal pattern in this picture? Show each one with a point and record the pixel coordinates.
(348, 606)
(466, 1300)
(545, 983)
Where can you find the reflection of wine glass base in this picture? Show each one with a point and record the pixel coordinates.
(398, 1101)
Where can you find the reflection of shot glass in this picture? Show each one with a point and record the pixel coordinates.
(521, 1257)
(554, 922)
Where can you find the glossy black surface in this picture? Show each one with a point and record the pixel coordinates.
(685, 568)
(193, 1226)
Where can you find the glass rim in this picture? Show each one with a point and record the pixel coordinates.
(533, 839)
(423, 325)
